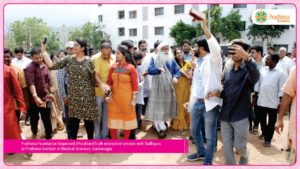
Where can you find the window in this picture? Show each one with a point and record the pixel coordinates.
(213, 5)
(121, 14)
(239, 5)
(286, 27)
(100, 18)
(159, 31)
(133, 32)
(277, 46)
(132, 14)
(121, 31)
(159, 11)
(260, 6)
(178, 9)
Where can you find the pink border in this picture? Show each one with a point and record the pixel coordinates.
(69, 3)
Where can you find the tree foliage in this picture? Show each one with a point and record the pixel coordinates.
(228, 27)
(232, 25)
(29, 33)
(90, 32)
(265, 32)
(181, 31)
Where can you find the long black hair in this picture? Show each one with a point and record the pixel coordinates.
(176, 59)
(83, 44)
(128, 57)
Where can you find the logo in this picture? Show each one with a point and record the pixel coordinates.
(261, 16)
(274, 16)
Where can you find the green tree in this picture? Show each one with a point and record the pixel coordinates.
(90, 32)
(29, 33)
(228, 27)
(53, 43)
(181, 31)
(265, 32)
(215, 21)
(232, 25)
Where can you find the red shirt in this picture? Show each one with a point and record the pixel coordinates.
(12, 90)
(38, 75)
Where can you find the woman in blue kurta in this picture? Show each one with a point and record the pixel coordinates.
(162, 104)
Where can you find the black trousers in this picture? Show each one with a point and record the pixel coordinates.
(268, 127)
(66, 119)
(34, 119)
(145, 105)
(18, 116)
(73, 127)
(256, 119)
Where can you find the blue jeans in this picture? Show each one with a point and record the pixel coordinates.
(235, 134)
(101, 128)
(208, 120)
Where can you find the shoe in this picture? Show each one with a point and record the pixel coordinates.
(162, 134)
(254, 131)
(79, 135)
(243, 161)
(261, 137)
(267, 144)
(28, 155)
(195, 157)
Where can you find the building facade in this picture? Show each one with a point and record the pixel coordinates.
(152, 22)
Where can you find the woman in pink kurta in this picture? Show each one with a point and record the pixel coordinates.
(12, 90)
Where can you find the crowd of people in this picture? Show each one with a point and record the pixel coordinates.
(192, 88)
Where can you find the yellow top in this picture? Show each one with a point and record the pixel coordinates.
(187, 67)
(102, 68)
(21, 76)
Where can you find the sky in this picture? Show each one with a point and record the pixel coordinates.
(53, 15)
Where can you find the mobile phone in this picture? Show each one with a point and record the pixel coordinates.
(231, 51)
(198, 15)
(45, 40)
(108, 93)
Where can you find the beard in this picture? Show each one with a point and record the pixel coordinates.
(165, 57)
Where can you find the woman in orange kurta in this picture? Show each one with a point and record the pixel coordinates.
(12, 90)
(123, 81)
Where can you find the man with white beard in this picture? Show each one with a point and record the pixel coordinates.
(162, 105)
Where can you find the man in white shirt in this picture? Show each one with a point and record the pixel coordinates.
(269, 93)
(20, 60)
(285, 63)
(204, 100)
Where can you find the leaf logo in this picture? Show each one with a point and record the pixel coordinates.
(261, 16)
